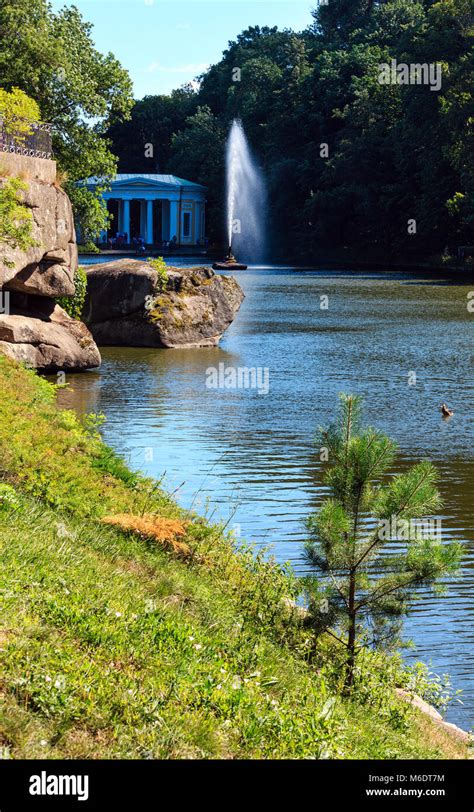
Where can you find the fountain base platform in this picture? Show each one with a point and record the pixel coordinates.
(229, 264)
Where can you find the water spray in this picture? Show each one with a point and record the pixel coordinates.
(246, 202)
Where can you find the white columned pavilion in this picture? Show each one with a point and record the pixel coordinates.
(157, 208)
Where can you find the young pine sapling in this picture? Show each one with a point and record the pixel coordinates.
(365, 541)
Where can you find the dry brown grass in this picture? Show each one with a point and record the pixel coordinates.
(5, 636)
(61, 178)
(441, 738)
(167, 532)
(5, 171)
(82, 743)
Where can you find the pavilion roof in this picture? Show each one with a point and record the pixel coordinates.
(152, 180)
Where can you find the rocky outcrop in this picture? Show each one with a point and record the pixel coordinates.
(125, 305)
(47, 268)
(48, 339)
(33, 329)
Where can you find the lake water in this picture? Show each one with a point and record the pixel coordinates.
(402, 341)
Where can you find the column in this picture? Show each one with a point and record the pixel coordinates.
(126, 219)
(149, 222)
(197, 222)
(143, 219)
(174, 230)
(118, 226)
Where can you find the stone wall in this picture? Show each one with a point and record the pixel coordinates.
(29, 168)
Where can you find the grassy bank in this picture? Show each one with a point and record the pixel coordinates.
(148, 636)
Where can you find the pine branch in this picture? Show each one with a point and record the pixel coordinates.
(342, 642)
(325, 438)
(397, 514)
(337, 587)
(373, 596)
(414, 491)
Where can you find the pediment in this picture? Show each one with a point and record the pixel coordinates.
(142, 184)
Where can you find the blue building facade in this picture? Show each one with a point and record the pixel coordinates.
(155, 209)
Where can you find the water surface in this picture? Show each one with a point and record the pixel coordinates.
(403, 342)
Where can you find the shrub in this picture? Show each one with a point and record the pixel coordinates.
(159, 265)
(107, 460)
(8, 498)
(16, 221)
(88, 248)
(73, 305)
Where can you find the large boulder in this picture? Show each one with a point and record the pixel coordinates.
(48, 339)
(36, 331)
(48, 267)
(117, 289)
(125, 305)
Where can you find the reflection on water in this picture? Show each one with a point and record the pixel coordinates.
(250, 459)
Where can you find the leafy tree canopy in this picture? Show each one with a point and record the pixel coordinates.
(51, 57)
(349, 161)
(154, 121)
(17, 111)
(197, 154)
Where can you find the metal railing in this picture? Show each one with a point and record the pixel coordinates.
(24, 137)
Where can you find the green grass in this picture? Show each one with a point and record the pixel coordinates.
(113, 647)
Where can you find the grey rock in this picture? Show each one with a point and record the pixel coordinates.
(48, 341)
(125, 307)
(47, 268)
(37, 331)
(116, 289)
(419, 703)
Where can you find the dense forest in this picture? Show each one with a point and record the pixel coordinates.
(350, 162)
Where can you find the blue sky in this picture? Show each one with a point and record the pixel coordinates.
(165, 43)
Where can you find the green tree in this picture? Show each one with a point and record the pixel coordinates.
(143, 143)
(452, 23)
(18, 111)
(363, 540)
(348, 160)
(198, 153)
(89, 210)
(392, 154)
(51, 57)
(337, 20)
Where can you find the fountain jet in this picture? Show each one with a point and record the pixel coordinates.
(246, 202)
